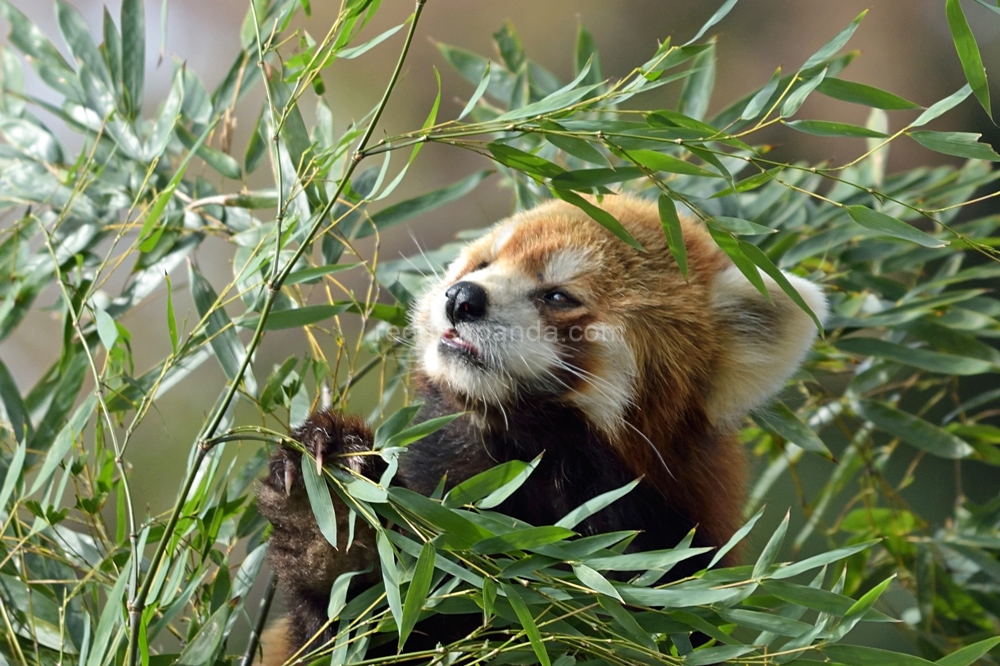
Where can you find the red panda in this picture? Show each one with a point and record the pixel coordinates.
(553, 335)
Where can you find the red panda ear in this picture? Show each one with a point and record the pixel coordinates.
(761, 343)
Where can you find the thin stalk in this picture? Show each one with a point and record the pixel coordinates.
(137, 606)
(258, 627)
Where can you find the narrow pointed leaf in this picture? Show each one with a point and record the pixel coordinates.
(890, 226)
(416, 595)
(424, 203)
(133, 33)
(969, 654)
(757, 102)
(859, 93)
(778, 418)
(968, 53)
(527, 622)
(941, 107)
(592, 506)
(672, 230)
(914, 430)
(959, 144)
(601, 216)
(830, 48)
(477, 95)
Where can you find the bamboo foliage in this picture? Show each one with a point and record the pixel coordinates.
(892, 395)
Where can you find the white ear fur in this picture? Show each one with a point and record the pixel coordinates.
(762, 343)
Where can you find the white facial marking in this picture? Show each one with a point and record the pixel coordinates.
(565, 265)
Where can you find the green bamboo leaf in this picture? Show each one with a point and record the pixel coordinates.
(970, 653)
(312, 275)
(778, 418)
(586, 52)
(946, 364)
(527, 622)
(229, 350)
(959, 144)
(498, 496)
(659, 560)
(390, 576)
(566, 96)
(830, 48)
(446, 520)
(763, 96)
(416, 595)
(297, 317)
(592, 506)
(758, 621)
(489, 598)
(404, 210)
(166, 120)
(820, 560)
(133, 26)
(13, 472)
(413, 433)
(818, 599)
(601, 216)
(859, 93)
(707, 656)
(731, 246)
(741, 227)
(914, 430)
(941, 107)
(257, 146)
(517, 159)
(655, 161)
(857, 655)
(206, 644)
(81, 44)
(766, 557)
(523, 539)
(338, 592)
(111, 49)
(627, 622)
(890, 226)
(827, 128)
(26, 36)
(761, 260)
(478, 94)
(496, 479)
(147, 236)
(394, 425)
(697, 90)
(12, 408)
(587, 180)
(221, 162)
(111, 617)
(355, 51)
(750, 183)
(578, 148)
(860, 607)
(798, 96)
(595, 581)
(106, 328)
(968, 53)
(319, 500)
(672, 230)
(736, 538)
(719, 14)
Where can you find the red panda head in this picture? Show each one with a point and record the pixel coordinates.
(550, 306)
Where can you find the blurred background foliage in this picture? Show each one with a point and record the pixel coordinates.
(890, 432)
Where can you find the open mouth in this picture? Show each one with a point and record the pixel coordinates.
(452, 342)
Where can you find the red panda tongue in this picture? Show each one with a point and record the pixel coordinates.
(452, 339)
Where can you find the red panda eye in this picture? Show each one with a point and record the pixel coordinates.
(480, 266)
(560, 298)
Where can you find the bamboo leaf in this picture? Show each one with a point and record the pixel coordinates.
(595, 581)
(968, 53)
(941, 107)
(859, 93)
(592, 506)
(820, 560)
(655, 161)
(830, 48)
(968, 655)
(320, 500)
(890, 226)
(827, 128)
(959, 144)
(672, 230)
(416, 595)
(297, 317)
(736, 538)
(601, 216)
(763, 96)
(229, 350)
(424, 203)
(133, 54)
(770, 552)
(524, 539)
(947, 364)
(780, 419)
(478, 94)
(914, 430)
(527, 622)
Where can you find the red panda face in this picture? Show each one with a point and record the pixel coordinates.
(551, 306)
(520, 314)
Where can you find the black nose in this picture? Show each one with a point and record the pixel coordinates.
(466, 302)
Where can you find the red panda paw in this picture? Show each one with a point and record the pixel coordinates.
(329, 438)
